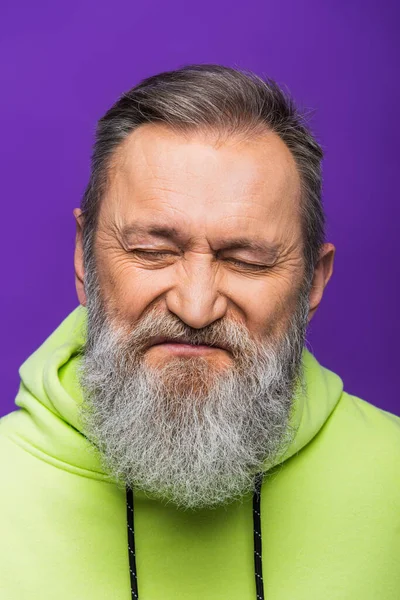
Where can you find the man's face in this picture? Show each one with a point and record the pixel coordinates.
(197, 312)
(203, 231)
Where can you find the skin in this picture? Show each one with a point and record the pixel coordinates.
(213, 194)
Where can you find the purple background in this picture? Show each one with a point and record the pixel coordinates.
(65, 63)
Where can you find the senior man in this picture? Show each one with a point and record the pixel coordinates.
(175, 438)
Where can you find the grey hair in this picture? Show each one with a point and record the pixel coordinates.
(220, 99)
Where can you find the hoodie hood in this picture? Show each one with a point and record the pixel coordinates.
(49, 397)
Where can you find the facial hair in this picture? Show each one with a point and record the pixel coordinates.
(186, 432)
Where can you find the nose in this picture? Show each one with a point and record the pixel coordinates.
(196, 298)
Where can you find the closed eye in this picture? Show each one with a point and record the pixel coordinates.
(244, 265)
(152, 253)
(159, 254)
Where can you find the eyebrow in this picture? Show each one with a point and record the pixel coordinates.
(269, 249)
(164, 231)
(243, 243)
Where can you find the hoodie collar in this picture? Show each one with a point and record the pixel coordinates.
(50, 396)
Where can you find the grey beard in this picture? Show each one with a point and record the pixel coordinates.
(185, 432)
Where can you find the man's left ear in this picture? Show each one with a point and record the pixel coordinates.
(78, 257)
(322, 274)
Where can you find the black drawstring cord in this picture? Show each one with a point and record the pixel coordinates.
(256, 534)
(131, 545)
(258, 573)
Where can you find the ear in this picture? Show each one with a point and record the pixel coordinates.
(322, 274)
(78, 257)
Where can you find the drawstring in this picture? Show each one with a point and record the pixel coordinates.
(131, 545)
(256, 536)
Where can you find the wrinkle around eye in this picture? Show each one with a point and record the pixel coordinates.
(158, 255)
(161, 259)
(153, 259)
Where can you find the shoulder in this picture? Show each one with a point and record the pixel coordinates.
(368, 421)
(366, 440)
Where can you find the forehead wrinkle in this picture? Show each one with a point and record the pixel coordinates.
(149, 198)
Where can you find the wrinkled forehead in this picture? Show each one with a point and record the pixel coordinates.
(197, 179)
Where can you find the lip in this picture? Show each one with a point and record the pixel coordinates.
(182, 345)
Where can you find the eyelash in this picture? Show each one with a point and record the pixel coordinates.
(155, 254)
(159, 254)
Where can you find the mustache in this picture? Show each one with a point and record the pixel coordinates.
(157, 327)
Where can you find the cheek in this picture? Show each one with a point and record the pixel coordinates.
(128, 290)
(265, 303)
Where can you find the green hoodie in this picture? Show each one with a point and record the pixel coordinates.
(330, 512)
